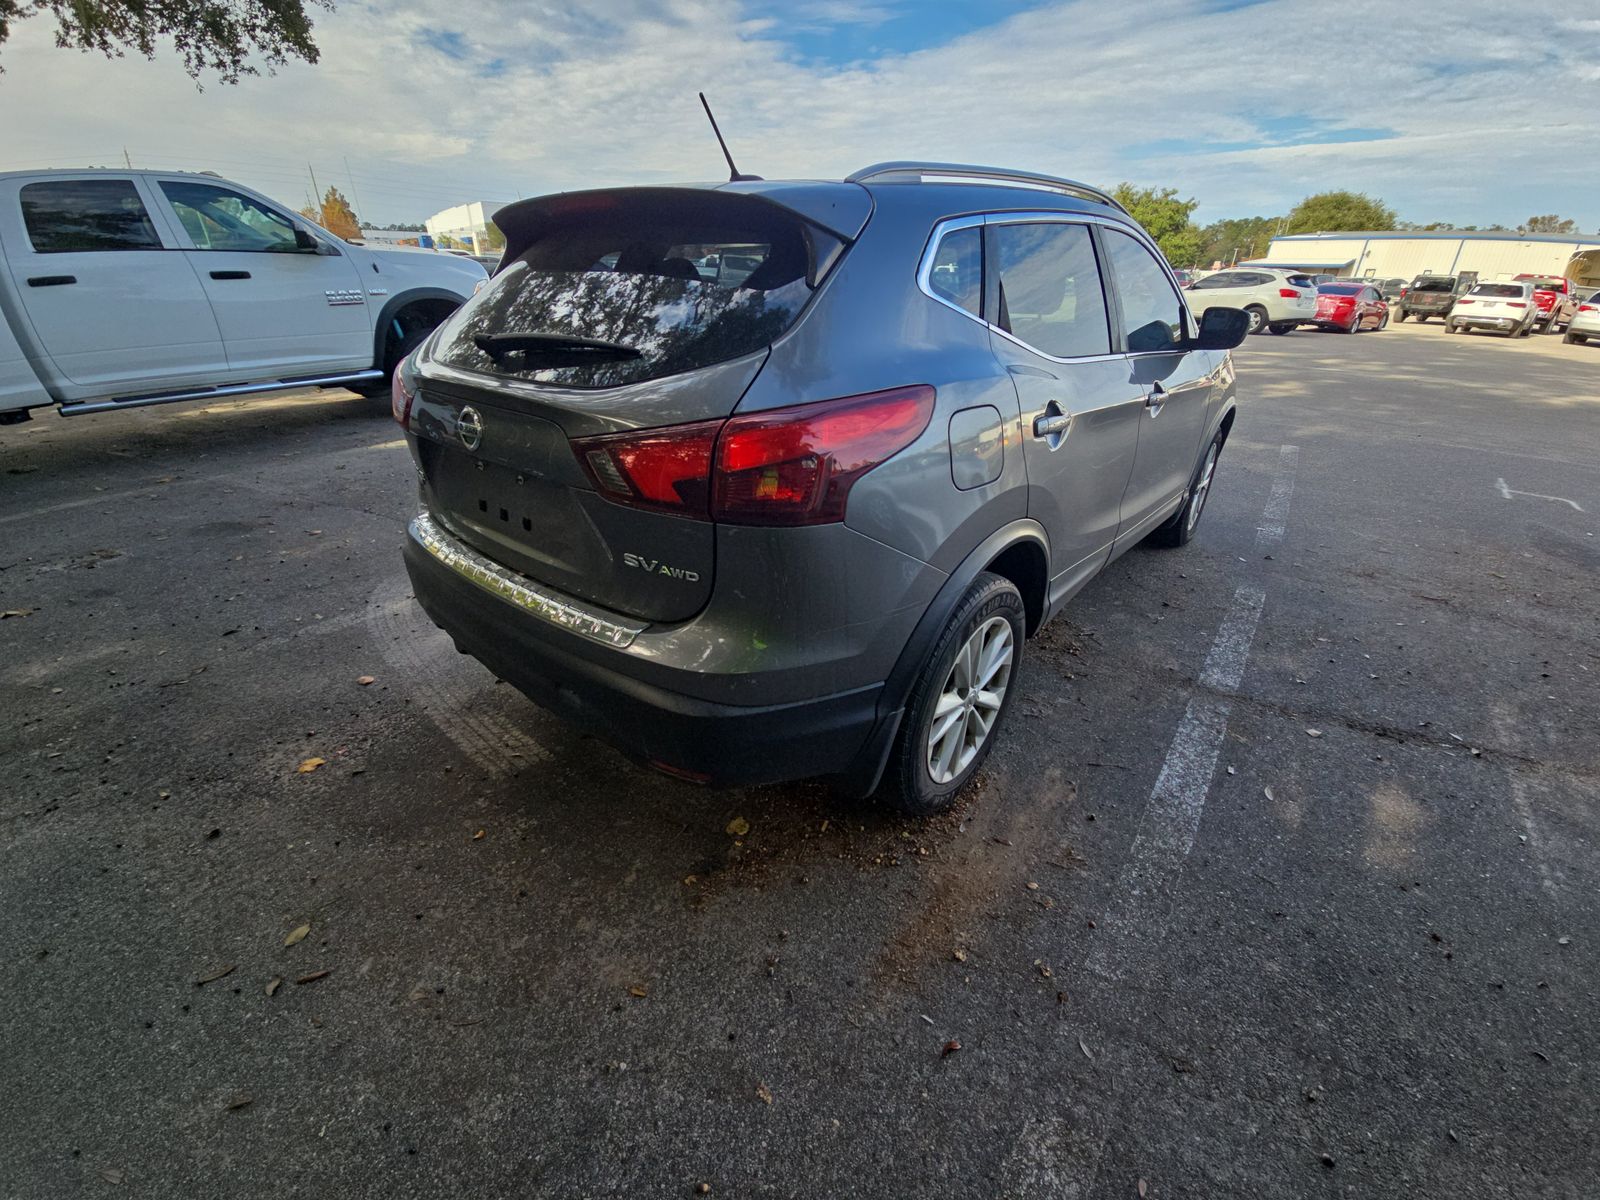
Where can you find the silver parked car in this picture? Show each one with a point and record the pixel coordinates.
(801, 523)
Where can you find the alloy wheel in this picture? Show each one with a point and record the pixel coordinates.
(970, 701)
(1202, 489)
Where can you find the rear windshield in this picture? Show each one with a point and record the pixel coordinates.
(1501, 290)
(1303, 281)
(1434, 285)
(1549, 285)
(630, 291)
(1339, 289)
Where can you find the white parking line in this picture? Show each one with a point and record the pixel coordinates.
(1522, 804)
(1142, 899)
(1270, 531)
(1507, 492)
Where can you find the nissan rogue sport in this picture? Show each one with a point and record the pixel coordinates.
(763, 480)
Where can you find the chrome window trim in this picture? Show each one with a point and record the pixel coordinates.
(545, 603)
(1034, 217)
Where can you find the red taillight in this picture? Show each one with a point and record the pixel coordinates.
(1516, 304)
(796, 466)
(788, 466)
(1289, 293)
(1464, 300)
(400, 398)
(667, 469)
(1588, 308)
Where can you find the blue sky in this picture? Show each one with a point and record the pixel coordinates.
(1247, 105)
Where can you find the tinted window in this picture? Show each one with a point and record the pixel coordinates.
(1152, 314)
(1255, 279)
(1220, 280)
(1339, 289)
(1050, 293)
(957, 272)
(1499, 290)
(671, 286)
(1299, 281)
(86, 214)
(1433, 285)
(218, 219)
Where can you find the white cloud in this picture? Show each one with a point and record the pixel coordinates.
(553, 95)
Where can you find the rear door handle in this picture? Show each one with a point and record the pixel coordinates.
(51, 280)
(1156, 400)
(230, 274)
(1052, 425)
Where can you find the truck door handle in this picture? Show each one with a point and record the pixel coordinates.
(230, 274)
(51, 280)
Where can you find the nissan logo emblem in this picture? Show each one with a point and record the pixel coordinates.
(469, 426)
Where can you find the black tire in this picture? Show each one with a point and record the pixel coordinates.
(1258, 318)
(909, 784)
(1281, 328)
(1400, 316)
(1384, 323)
(1178, 529)
(1355, 323)
(407, 330)
(1420, 318)
(1452, 327)
(1574, 339)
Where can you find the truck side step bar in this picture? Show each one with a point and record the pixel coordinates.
(78, 408)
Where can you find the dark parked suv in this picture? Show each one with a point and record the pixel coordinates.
(772, 479)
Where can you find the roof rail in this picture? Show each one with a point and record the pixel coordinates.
(917, 172)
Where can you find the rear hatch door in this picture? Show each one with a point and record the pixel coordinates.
(612, 313)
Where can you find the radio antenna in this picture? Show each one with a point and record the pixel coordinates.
(733, 171)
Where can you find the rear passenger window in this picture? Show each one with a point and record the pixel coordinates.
(1152, 314)
(69, 215)
(1050, 293)
(1221, 280)
(957, 270)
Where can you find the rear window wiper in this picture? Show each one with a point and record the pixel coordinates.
(554, 349)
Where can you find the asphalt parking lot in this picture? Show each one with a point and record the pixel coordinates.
(1281, 882)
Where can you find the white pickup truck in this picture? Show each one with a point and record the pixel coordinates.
(125, 288)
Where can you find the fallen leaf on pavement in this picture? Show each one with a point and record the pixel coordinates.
(214, 976)
(364, 680)
(1032, 887)
(1313, 733)
(16, 612)
(763, 1093)
(638, 991)
(738, 827)
(1087, 1053)
(274, 984)
(297, 935)
(238, 1102)
(959, 954)
(310, 764)
(112, 1175)
(1142, 1187)
(950, 1048)
(478, 837)
(1267, 792)
(1563, 941)
(314, 976)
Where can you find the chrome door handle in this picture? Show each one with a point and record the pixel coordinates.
(1156, 400)
(1052, 425)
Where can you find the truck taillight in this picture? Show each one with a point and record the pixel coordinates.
(787, 466)
(400, 397)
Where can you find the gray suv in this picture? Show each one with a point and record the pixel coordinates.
(764, 480)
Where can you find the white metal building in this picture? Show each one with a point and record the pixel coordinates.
(465, 224)
(1408, 253)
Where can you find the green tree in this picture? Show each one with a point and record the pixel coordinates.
(1165, 218)
(1548, 223)
(493, 239)
(210, 35)
(1332, 212)
(1236, 238)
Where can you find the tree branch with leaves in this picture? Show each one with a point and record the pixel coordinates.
(225, 37)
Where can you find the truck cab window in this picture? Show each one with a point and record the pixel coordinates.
(86, 214)
(216, 218)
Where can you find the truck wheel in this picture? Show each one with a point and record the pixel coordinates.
(1421, 318)
(408, 329)
(1258, 318)
(960, 700)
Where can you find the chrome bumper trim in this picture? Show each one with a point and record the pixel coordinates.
(546, 604)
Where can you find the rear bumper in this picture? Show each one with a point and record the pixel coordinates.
(1489, 322)
(557, 667)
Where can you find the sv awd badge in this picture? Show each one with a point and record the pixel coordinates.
(656, 567)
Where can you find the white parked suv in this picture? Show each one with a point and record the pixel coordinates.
(1585, 322)
(125, 288)
(1506, 307)
(1274, 300)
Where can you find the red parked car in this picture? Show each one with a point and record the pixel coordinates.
(1350, 307)
(1556, 299)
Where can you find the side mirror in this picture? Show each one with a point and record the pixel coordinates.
(1222, 329)
(305, 241)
